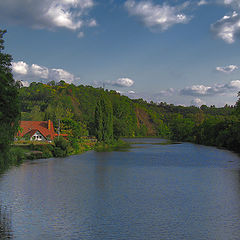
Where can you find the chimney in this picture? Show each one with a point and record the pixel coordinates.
(49, 125)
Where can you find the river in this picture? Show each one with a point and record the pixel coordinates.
(152, 191)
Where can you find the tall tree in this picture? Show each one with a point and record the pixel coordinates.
(238, 104)
(9, 104)
(104, 119)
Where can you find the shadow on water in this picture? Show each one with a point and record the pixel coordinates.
(5, 224)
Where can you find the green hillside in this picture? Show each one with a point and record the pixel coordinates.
(75, 107)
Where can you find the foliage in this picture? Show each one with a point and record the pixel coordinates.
(238, 104)
(181, 128)
(115, 145)
(62, 147)
(16, 155)
(104, 120)
(84, 110)
(9, 103)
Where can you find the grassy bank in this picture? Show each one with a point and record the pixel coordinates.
(59, 148)
(29, 150)
(117, 145)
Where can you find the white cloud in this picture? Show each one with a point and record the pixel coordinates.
(157, 16)
(227, 69)
(49, 14)
(122, 82)
(39, 71)
(235, 4)
(197, 102)
(29, 73)
(92, 23)
(20, 68)
(60, 74)
(195, 90)
(80, 35)
(235, 84)
(25, 83)
(202, 2)
(227, 28)
(131, 92)
(201, 90)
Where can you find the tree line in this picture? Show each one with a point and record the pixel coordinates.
(106, 114)
(85, 110)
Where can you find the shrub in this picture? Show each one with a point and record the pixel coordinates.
(62, 147)
(16, 155)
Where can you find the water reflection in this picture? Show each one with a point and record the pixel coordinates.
(5, 224)
(175, 192)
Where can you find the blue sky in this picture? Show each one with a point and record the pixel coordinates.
(181, 52)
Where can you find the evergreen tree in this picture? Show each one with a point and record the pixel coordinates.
(104, 120)
(9, 104)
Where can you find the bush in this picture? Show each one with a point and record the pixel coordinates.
(15, 155)
(62, 147)
(58, 152)
(47, 153)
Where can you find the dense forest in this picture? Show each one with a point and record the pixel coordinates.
(84, 110)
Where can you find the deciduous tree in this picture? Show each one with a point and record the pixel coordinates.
(9, 104)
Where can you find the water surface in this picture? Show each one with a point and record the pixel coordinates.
(153, 191)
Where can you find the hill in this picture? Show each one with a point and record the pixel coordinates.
(75, 107)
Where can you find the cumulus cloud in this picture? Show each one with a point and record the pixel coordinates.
(201, 90)
(20, 68)
(29, 73)
(122, 82)
(157, 16)
(228, 27)
(197, 102)
(39, 71)
(50, 14)
(195, 90)
(60, 74)
(227, 69)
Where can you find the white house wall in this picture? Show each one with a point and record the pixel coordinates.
(38, 137)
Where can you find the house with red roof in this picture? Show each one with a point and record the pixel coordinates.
(37, 130)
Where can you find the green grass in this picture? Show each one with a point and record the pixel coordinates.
(117, 145)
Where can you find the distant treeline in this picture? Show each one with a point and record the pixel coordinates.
(76, 106)
(85, 110)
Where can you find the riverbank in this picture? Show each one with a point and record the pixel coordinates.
(30, 150)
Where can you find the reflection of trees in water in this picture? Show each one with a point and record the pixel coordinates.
(5, 224)
(239, 180)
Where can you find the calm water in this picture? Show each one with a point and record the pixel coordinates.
(179, 191)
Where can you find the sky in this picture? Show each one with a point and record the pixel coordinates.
(179, 52)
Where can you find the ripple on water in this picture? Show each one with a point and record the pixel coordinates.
(158, 191)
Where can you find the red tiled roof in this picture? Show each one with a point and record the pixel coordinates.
(41, 126)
